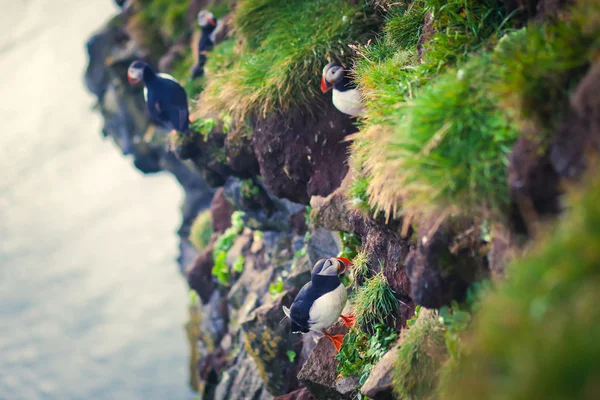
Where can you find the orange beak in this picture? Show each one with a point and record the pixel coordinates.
(131, 80)
(325, 86)
(345, 262)
(212, 21)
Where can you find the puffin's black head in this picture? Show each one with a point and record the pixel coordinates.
(135, 73)
(332, 74)
(331, 267)
(206, 18)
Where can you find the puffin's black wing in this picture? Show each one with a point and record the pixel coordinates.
(167, 101)
(299, 311)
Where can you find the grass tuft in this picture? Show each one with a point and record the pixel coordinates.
(285, 46)
(374, 302)
(536, 335)
(422, 351)
(201, 230)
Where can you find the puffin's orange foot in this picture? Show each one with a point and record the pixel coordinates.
(337, 340)
(191, 119)
(348, 320)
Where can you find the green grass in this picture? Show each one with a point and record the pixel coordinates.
(422, 351)
(361, 351)
(360, 266)
(374, 302)
(536, 335)
(404, 26)
(224, 242)
(166, 16)
(285, 46)
(201, 230)
(543, 63)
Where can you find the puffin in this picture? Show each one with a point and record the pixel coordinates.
(346, 96)
(165, 98)
(212, 33)
(320, 302)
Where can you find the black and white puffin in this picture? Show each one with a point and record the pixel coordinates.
(212, 33)
(346, 96)
(165, 98)
(320, 302)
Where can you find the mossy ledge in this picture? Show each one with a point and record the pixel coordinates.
(480, 118)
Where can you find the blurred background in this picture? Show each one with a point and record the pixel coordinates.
(92, 304)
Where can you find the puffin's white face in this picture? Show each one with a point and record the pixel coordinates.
(334, 266)
(206, 18)
(135, 72)
(332, 74)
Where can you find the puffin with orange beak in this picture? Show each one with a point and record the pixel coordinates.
(321, 301)
(346, 96)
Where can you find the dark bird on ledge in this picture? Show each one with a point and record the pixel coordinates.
(321, 301)
(212, 33)
(165, 98)
(346, 96)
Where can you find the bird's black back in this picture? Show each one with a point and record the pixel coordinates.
(300, 309)
(205, 43)
(345, 84)
(167, 102)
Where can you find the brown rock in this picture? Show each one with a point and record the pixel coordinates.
(267, 339)
(319, 373)
(379, 384)
(302, 153)
(220, 212)
(199, 274)
(331, 212)
(298, 394)
(440, 268)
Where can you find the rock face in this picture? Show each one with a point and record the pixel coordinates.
(441, 269)
(379, 384)
(319, 373)
(307, 147)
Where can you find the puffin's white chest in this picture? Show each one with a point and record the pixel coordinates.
(214, 35)
(327, 309)
(348, 102)
(162, 75)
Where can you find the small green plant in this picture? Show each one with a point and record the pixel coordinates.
(411, 322)
(201, 230)
(204, 126)
(374, 302)
(291, 355)
(249, 189)
(360, 266)
(238, 265)
(351, 244)
(222, 245)
(361, 351)
(194, 299)
(276, 287)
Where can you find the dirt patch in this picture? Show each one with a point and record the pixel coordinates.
(302, 154)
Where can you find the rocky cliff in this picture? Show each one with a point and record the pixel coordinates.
(481, 118)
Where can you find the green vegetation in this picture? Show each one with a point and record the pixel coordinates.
(361, 351)
(421, 353)
(169, 17)
(374, 302)
(360, 267)
(221, 270)
(249, 189)
(291, 354)
(373, 333)
(201, 230)
(285, 46)
(276, 287)
(238, 264)
(351, 245)
(535, 336)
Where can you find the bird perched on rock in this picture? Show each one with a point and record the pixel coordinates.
(165, 98)
(212, 33)
(346, 97)
(320, 302)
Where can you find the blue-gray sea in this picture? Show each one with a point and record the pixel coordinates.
(92, 305)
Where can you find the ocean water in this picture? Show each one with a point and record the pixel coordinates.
(92, 305)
